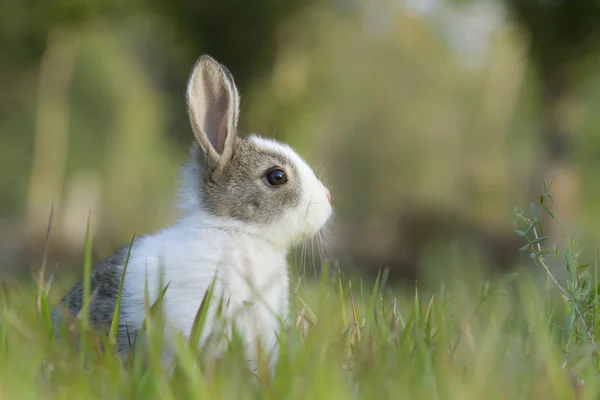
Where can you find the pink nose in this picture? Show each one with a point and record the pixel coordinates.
(328, 195)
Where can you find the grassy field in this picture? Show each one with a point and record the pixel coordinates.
(510, 338)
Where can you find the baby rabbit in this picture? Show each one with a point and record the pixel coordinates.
(245, 202)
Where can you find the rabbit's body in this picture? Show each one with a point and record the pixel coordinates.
(189, 256)
(245, 202)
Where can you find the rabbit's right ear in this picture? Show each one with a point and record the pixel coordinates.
(213, 104)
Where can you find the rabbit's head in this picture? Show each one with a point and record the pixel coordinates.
(253, 183)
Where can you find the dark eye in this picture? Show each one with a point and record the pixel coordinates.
(276, 177)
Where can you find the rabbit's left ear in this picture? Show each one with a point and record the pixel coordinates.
(213, 104)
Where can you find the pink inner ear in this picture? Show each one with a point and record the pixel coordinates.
(213, 105)
(222, 133)
(216, 108)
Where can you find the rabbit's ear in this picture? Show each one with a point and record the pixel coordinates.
(213, 103)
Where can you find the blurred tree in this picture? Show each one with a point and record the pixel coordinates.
(564, 36)
(64, 62)
(240, 34)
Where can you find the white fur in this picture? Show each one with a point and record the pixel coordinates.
(249, 262)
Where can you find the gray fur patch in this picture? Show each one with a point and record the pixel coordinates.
(105, 279)
(236, 188)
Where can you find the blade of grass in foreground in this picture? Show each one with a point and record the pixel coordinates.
(371, 313)
(149, 311)
(200, 318)
(354, 312)
(342, 300)
(84, 313)
(44, 311)
(114, 326)
(187, 367)
(87, 277)
(42, 298)
(46, 248)
(186, 362)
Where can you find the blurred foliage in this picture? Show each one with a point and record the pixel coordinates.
(427, 119)
(563, 41)
(561, 32)
(466, 339)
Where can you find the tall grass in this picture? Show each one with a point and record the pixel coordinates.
(507, 338)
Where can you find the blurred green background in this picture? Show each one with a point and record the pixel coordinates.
(428, 119)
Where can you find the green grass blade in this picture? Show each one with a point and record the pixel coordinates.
(200, 317)
(114, 326)
(371, 308)
(87, 276)
(428, 319)
(44, 312)
(187, 366)
(342, 301)
(354, 312)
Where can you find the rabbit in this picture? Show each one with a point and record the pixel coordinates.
(245, 202)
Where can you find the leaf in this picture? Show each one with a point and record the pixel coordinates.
(551, 197)
(550, 213)
(534, 211)
(530, 227)
(569, 323)
(524, 247)
(570, 264)
(519, 232)
(539, 239)
(541, 199)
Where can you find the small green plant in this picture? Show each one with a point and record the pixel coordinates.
(579, 291)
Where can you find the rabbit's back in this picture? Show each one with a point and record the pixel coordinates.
(104, 284)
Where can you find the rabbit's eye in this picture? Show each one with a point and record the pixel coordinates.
(276, 177)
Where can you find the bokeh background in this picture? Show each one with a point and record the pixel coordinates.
(428, 119)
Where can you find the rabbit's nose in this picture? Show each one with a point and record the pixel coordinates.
(328, 195)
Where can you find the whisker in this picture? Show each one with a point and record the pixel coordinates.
(303, 261)
(319, 170)
(326, 248)
(329, 254)
(320, 245)
(332, 241)
(320, 249)
(312, 252)
(326, 240)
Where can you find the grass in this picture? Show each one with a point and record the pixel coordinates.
(512, 337)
